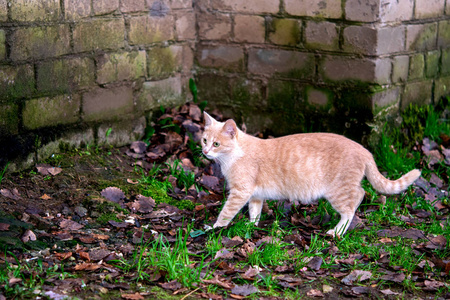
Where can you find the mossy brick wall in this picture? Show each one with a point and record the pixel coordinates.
(71, 69)
(336, 65)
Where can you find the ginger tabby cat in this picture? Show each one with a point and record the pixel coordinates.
(304, 167)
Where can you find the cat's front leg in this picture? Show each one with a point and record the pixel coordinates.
(255, 207)
(235, 202)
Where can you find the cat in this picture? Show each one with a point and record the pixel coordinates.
(303, 167)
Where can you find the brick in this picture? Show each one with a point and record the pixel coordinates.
(416, 67)
(99, 34)
(384, 99)
(444, 34)
(121, 66)
(429, 9)
(322, 35)
(187, 59)
(249, 6)
(432, 64)
(167, 92)
(3, 10)
(360, 39)
(249, 29)
(417, 93)
(396, 11)
(441, 88)
(77, 9)
(16, 82)
(128, 6)
(40, 42)
(164, 61)
(337, 68)
(228, 58)
(9, 119)
(2, 45)
(185, 25)
(180, 4)
(121, 133)
(445, 62)
(321, 98)
(103, 7)
(214, 27)
(285, 32)
(362, 11)
(322, 9)
(390, 40)
(159, 9)
(214, 87)
(148, 29)
(107, 104)
(65, 75)
(421, 37)
(38, 10)
(400, 68)
(51, 111)
(272, 61)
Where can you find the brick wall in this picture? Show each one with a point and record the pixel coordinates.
(297, 65)
(69, 70)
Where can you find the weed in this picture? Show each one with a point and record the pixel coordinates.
(2, 173)
(242, 228)
(185, 179)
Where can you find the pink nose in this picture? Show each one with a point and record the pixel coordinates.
(205, 151)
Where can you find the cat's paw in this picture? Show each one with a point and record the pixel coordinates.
(332, 233)
(220, 224)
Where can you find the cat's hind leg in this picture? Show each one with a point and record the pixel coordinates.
(255, 207)
(345, 201)
(236, 200)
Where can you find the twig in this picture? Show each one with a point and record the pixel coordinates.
(190, 293)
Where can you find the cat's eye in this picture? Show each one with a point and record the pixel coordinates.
(216, 144)
(204, 141)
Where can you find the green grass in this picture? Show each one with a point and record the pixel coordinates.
(174, 261)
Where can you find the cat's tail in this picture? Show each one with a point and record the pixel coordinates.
(386, 186)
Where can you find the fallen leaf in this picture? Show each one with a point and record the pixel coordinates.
(4, 227)
(87, 267)
(11, 195)
(252, 272)
(45, 197)
(315, 263)
(359, 290)
(224, 254)
(395, 277)
(433, 285)
(113, 194)
(138, 147)
(28, 236)
(135, 296)
(389, 292)
(356, 276)
(54, 171)
(436, 181)
(439, 242)
(171, 285)
(244, 290)
(70, 225)
(216, 281)
(63, 256)
(98, 254)
(314, 293)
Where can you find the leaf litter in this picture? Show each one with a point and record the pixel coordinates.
(68, 220)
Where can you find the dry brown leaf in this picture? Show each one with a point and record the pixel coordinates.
(28, 236)
(87, 267)
(135, 296)
(4, 227)
(314, 293)
(63, 256)
(45, 197)
(70, 225)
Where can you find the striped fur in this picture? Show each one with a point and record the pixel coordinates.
(304, 167)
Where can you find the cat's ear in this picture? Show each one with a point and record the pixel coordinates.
(230, 128)
(208, 119)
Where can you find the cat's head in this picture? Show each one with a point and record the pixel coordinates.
(219, 138)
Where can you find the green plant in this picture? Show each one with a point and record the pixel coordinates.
(394, 160)
(185, 179)
(2, 173)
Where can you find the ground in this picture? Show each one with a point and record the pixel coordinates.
(132, 223)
